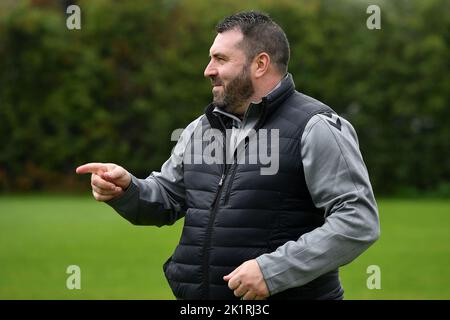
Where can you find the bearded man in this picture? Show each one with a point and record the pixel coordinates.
(247, 234)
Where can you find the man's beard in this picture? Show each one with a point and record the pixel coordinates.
(236, 93)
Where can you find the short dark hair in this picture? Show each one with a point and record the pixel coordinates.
(261, 34)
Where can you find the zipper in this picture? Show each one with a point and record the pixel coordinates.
(216, 201)
(214, 207)
(230, 183)
(233, 172)
(219, 189)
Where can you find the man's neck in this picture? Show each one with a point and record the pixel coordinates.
(262, 90)
(266, 87)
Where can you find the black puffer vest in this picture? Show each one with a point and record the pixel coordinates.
(236, 214)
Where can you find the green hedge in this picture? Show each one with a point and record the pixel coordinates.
(116, 89)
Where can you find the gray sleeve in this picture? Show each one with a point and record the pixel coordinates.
(339, 184)
(160, 198)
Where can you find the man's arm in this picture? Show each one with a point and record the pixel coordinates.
(160, 198)
(157, 200)
(339, 184)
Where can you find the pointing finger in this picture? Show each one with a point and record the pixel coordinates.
(93, 167)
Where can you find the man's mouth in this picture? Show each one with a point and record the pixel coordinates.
(216, 83)
(217, 87)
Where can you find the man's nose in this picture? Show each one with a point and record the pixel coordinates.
(210, 71)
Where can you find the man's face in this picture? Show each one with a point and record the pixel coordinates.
(229, 72)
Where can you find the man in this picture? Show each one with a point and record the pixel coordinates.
(246, 234)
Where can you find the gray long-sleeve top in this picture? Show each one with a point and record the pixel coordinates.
(337, 180)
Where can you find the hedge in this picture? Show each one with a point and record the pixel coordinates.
(116, 89)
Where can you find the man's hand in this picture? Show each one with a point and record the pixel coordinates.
(247, 281)
(108, 180)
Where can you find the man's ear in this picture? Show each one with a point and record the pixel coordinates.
(261, 63)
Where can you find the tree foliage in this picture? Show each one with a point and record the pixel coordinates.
(116, 89)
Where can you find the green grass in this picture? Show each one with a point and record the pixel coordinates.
(413, 253)
(40, 236)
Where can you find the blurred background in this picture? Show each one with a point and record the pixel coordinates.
(114, 90)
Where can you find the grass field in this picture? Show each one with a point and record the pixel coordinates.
(40, 236)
